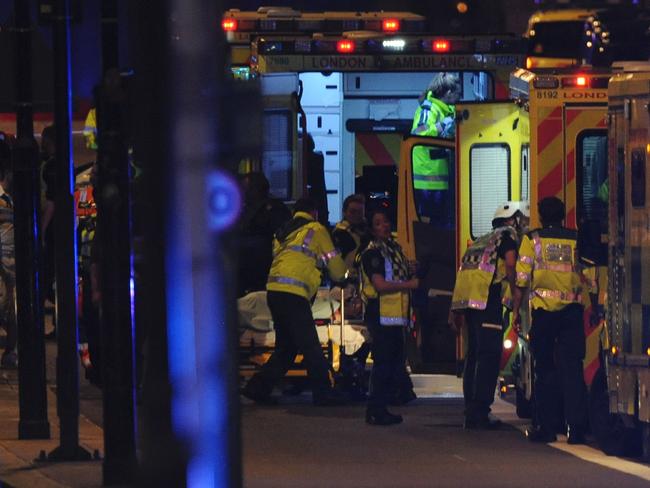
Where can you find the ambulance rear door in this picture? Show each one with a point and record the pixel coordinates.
(426, 231)
(492, 169)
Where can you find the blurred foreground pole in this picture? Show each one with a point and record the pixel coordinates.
(202, 201)
(164, 459)
(33, 423)
(67, 361)
(114, 106)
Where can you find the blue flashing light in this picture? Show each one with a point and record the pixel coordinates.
(224, 200)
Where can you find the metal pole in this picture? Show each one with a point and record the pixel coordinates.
(116, 274)
(33, 423)
(67, 362)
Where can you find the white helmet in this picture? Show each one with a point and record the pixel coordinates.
(510, 208)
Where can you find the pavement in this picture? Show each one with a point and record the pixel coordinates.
(19, 459)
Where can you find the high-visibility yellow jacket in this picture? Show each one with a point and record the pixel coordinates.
(548, 264)
(481, 268)
(431, 173)
(298, 260)
(90, 129)
(394, 307)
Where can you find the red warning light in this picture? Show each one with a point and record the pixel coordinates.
(345, 46)
(440, 46)
(229, 25)
(390, 25)
(581, 81)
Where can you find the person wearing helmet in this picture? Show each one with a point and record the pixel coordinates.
(484, 283)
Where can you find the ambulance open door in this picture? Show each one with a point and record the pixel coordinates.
(493, 167)
(426, 230)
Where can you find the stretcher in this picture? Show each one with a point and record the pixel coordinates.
(257, 337)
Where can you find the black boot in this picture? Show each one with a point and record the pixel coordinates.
(258, 391)
(537, 434)
(330, 398)
(382, 417)
(576, 435)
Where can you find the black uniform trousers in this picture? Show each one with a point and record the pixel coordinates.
(294, 331)
(558, 347)
(389, 373)
(483, 359)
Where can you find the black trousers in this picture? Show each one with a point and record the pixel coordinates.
(482, 362)
(558, 347)
(294, 331)
(389, 374)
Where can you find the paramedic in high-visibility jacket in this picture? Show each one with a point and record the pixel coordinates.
(435, 117)
(302, 247)
(484, 283)
(549, 268)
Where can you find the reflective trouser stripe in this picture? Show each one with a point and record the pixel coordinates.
(492, 326)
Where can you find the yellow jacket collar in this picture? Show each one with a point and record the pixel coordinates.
(303, 215)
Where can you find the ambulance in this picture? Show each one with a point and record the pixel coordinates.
(596, 35)
(620, 401)
(356, 93)
(550, 139)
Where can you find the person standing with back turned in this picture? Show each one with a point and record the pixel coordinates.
(485, 281)
(301, 247)
(549, 268)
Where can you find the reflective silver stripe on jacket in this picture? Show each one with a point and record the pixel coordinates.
(559, 295)
(302, 248)
(561, 267)
(526, 259)
(393, 321)
(288, 281)
(476, 304)
(537, 245)
(522, 276)
(329, 255)
(431, 177)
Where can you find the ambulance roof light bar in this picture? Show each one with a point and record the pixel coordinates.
(229, 25)
(440, 46)
(390, 25)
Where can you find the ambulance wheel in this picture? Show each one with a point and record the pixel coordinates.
(612, 435)
(524, 406)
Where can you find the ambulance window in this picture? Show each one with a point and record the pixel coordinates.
(277, 155)
(489, 166)
(638, 178)
(433, 184)
(525, 172)
(593, 194)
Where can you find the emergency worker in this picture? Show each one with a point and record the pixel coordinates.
(350, 236)
(485, 281)
(387, 279)
(549, 268)
(435, 117)
(301, 247)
